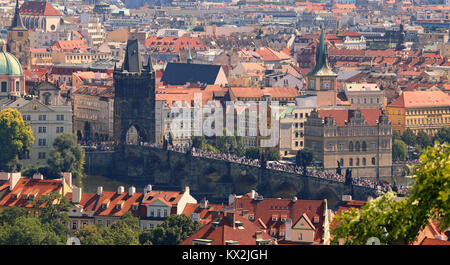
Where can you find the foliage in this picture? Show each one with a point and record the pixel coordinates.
(304, 158)
(66, 155)
(399, 150)
(123, 232)
(423, 139)
(442, 135)
(172, 231)
(396, 221)
(272, 154)
(198, 142)
(9, 215)
(252, 153)
(91, 235)
(16, 137)
(409, 137)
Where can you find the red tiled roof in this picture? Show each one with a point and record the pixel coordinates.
(255, 92)
(69, 45)
(26, 187)
(38, 8)
(224, 231)
(410, 99)
(268, 207)
(173, 44)
(170, 198)
(205, 214)
(342, 115)
(432, 241)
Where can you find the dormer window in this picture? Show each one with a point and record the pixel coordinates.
(274, 218)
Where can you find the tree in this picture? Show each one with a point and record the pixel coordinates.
(66, 155)
(304, 158)
(91, 235)
(16, 137)
(396, 135)
(423, 139)
(9, 215)
(272, 154)
(396, 221)
(409, 137)
(252, 153)
(443, 135)
(198, 142)
(174, 230)
(399, 150)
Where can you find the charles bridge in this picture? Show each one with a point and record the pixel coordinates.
(211, 178)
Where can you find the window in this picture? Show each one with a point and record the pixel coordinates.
(17, 86)
(300, 237)
(350, 162)
(165, 212)
(42, 117)
(373, 160)
(59, 117)
(74, 225)
(357, 161)
(41, 155)
(342, 162)
(59, 129)
(4, 86)
(350, 146)
(42, 129)
(42, 142)
(364, 161)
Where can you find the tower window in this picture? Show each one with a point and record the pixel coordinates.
(20, 34)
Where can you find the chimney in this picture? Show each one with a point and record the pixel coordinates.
(294, 199)
(13, 179)
(231, 199)
(186, 190)
(231, 218)
(288, 232)
(252, 194)
(67, 176)
(120, 190)
(99, 191)
(258, 235)
(346, 198)
(131, 191)
(204, 203)
(148, 188)
(38, 176)
(76, 195)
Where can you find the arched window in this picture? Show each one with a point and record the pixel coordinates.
(373, 160)
(350, 146)
(357, 161)
(364, 161)
(357, 147)
(350, 162)
(342, 162)
(364, 146)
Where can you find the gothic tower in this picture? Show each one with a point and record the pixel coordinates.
(134, 101)
(18, 41)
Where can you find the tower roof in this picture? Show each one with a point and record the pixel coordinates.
(132, 61)
(17, 23)
(9, 64)
(322, 67)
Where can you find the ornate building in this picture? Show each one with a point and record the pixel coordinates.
(134, 102)
(360, 140)
(18, 41)
(12, 79)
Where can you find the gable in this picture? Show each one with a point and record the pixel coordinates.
(158, 203)
(304, 223)
(35, 105)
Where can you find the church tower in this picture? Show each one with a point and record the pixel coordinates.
(134, 101)
(322, 79)
(18, 41)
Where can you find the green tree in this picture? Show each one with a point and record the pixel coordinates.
(443, 135)
(399, 150)
(198, 142)
(252, 153)
(66, 155)
(272, 154)
(409, 137)
(396, 135)
(396, 221)
(9, 215)
(423, 139)
(16, 137)
(91, 234)
(304, 158)
(174, 230)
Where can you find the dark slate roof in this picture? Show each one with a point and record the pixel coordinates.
(132, 61)
(182, 73)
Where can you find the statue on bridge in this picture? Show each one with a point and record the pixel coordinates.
(263, 161)
(165, 143)
(348, 176)
(338, 169)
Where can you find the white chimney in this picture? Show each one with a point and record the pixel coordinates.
(346, 198)
(204, 203)
(288, 232)
(99, 191)
(294, 199)
(148, 188)
(131, 191)
(13, 179)
(4, 176)
(186, 190)
(38, 176)
(231, 199)
(76, 195)
(252, 194)
(120, 190)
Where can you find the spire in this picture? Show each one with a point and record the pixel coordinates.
(149, 64)
(17, 22)
(189, 56)
(322, 67)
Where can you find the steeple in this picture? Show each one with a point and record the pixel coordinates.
(17, 22)
(189, 56)
(149, 64)
(322, 66)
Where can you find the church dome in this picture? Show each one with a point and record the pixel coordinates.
(9, 64)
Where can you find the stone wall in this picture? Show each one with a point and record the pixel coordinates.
(214, 179)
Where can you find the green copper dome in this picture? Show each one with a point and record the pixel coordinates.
(9, 64)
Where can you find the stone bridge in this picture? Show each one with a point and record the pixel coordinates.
(211, 178)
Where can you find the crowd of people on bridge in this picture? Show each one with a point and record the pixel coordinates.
(381, 187)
